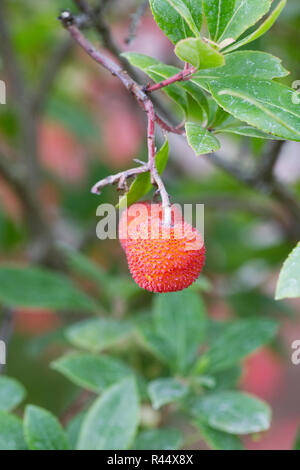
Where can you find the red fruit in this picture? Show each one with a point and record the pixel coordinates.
(138, 213)
(161, 258)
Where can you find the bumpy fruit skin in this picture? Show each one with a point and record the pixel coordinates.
(138, 213)
(160, 258)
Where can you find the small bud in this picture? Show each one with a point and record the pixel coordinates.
(66, 18)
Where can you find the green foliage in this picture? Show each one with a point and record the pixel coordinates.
(163, 438)
(289, 279)
(96, 335)
(204, 387)
(175, 337)
(218, 440)
(262, 104)
(11, 432)
(255, 64)
(38, 288)
(262, 29)
(178, 19)
(166, 390)
(106, 283)
(243, 87)
(42, 430)
(245, 15)
(231, 412)
(73, 429)
(12, 393)
(95, 373)
(198, 53)
(218, 15)
(142, 184)
(237, 340)
(112, 420)
(200, 139)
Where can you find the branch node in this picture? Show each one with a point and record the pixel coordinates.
(67, 18)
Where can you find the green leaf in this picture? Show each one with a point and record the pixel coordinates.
(141, 61)
(95, 373)
(288, 285)
(232, 412)
(159, 439)
(237, 341)
(220, 119)
(142, 184)
(12, 393)
(244, 63)
(218, 13)
(98, 334)
(83, 265)
(38, 288)
(109, 284)
(43, 431)
(165, 390)
(227, 379)
(263, 28)
(201, 140)
(199, 97)
(178, 19)
(73, 429)
(247, 131)
(245, 15)
(180, 322)
(262, 104)
(218, 440)
(112, 420)
(199, 53)
(11, 432)
(157, 344)
(245, 303)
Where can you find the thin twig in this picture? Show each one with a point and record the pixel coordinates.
(118, 178)
(166, 127)
(155, 176)
(136, 18)
(179, 77)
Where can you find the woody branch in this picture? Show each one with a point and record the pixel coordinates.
(69, 22)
